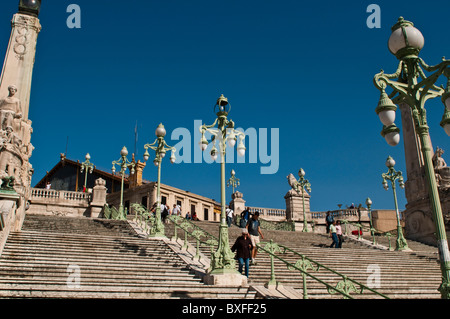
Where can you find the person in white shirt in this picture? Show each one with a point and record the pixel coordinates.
(229, 212)
(176, 210)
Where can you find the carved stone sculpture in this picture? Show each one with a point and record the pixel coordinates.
(441, 170)
(15, 136)
(293, 182)
(10, 109)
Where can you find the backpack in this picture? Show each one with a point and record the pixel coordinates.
(252, 222)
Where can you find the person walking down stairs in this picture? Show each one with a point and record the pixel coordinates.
(334, 236)
(243, 247)
(254, 230)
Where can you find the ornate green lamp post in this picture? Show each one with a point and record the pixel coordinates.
(303, 183)
(412, 87)
(86, 165)
(160, 147)
(392, 175)
(369, 207)
(233, 181)
(223, 259)
(124, 163)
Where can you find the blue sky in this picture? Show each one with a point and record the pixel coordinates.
(304, 68)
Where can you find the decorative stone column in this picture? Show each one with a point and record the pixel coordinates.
(19, 59)
(418, 218)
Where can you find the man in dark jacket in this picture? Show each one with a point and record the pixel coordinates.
(243, 247)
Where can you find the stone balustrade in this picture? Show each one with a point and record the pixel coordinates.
(273, 214)
(38, 194)
(338, 214)
(68, 203)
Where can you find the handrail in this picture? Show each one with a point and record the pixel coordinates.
(272, 225)
(343, 287)
(197, 233)
(372, 230)
(147, 221)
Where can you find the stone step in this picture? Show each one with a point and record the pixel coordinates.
(114, 263)
(399, 270)
(92, 291)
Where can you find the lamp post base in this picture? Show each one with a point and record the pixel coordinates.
(225, 277)
(158, 231)
(401, 244)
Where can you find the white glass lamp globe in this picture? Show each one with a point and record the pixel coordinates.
(391, 134)
(390, 162)
(241, 149)
(173, 158)
(231, 140)
(387, 117)
(160, 131)
(301, 172)
(447, 128)
(447, 103)
(392, 138)
(402, 46)
(146, 155)
(124, 151)
(386, 109)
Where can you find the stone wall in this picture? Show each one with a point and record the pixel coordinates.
(67, 203)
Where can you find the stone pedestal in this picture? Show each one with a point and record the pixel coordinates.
(98, 198)
(10, 214)
(294, 206)
(237, 203)
(230, 278)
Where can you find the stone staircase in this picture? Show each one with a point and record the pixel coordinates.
(112, 261)
(402, 274)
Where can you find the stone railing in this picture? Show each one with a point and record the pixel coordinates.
(270, 213)
(340, 213)
(49, 194)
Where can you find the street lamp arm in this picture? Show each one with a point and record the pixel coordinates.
(431, 68)
(205, 127)
(382, 80)
(167, 147)
(151, 146)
